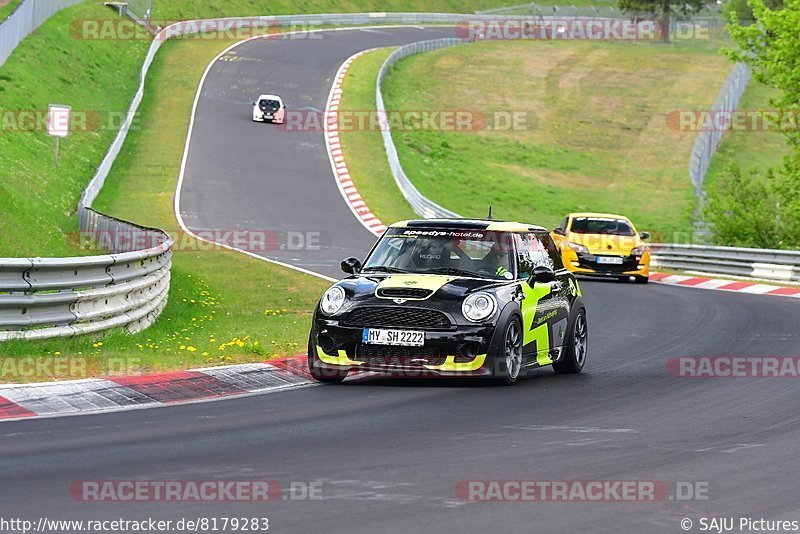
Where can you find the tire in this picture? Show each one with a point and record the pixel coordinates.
(508, 359)
(641, 279)
(574, 357)
(326, 376)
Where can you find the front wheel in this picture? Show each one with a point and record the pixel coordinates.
(508, 359)
(574, 357)
(641, 279)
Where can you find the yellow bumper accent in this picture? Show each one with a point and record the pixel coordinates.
(451, 365)
(341, 359)
(644, 271)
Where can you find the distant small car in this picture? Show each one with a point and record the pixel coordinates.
(269, 108)
(603, 244)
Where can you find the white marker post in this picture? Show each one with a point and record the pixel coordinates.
(58, 119)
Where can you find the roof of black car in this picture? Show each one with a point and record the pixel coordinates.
(470, 224)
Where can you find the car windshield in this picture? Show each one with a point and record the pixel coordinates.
(601, 225)
(271, 105)
(444, 251)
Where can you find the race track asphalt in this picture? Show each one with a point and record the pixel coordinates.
(389, 454)
(271, 180)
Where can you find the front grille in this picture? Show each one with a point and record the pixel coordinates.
(404, 293)
(629, 263)
(399, 356)
(391, 316)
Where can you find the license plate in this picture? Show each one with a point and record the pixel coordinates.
(409, 338)
(612, 260)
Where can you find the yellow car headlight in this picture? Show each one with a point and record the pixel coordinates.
(580, 249)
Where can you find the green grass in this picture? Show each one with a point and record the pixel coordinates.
(750, 150)
(7, 7)
(597, 136)
(37, 201)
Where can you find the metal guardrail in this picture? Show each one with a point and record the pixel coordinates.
(421, 205)
(27, 16)
(707, 142)
(775, 265)
(62, 297)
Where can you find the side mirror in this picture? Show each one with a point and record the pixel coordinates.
(351, 265)
(644, 235)
(542, 275)
(559, 231)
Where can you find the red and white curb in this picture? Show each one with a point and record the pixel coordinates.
(700, 282)
(341, 172)
(100, 395)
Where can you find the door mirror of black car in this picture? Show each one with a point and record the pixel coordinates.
(542, 275)
(559, 231)
(644, 235)
(351, 265)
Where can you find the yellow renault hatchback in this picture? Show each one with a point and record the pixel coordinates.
(602, 244)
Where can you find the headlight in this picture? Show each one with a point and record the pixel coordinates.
(580, 249)
(478, 306)
(332, 301)
(638, 251)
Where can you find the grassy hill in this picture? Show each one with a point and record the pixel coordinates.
(596, 136)
(98, 79)
(181, 10)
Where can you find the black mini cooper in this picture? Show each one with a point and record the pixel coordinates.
(452, 297)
